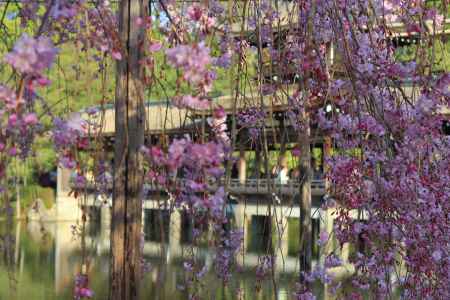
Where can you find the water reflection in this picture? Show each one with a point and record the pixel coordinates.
(47, 256)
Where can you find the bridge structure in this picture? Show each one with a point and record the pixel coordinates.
(270, 223)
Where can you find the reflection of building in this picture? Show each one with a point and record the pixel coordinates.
(48, 265)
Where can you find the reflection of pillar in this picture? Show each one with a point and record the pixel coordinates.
(281, 241)
(16, 249)
(345, 252)
(242, 164)
(65, 264)
(105, 229)
(242, 223)
(105, 216)
(326, 225)
(174, 233)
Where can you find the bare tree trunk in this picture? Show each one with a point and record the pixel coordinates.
(129, 121)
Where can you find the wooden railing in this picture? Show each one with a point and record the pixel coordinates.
(250, 186)
(260, 186)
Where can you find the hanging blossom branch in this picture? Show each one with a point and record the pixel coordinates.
(57, 24)
(399, 176)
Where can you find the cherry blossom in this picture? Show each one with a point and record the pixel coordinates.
(32, 56)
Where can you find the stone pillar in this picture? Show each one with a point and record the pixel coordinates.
(67, 207)
(174, 234)
(330, 56)
(63, 181)
(242, 167)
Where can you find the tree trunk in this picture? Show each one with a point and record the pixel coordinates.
(129, 121)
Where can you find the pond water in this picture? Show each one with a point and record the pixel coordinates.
(43, 259)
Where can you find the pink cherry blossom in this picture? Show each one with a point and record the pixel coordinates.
(191, 102)
(194, 60)
(155, 47)
(32, 56)
(31, 119)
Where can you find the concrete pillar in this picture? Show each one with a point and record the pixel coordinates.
(242, 167)
(63, 181)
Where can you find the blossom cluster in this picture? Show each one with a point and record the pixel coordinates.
(191, 102)
(69, 136)
(17, 128)
(189, 171)
(200, 18)
(101, 31)
(218, 123)
(31, 56)
(391, 162)
(194, 60)
(252, 118)
(81, 288)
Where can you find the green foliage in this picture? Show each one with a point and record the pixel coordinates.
(293, 236)
(45, 156)
(32, 192)
(440, 6)
(438, 53)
